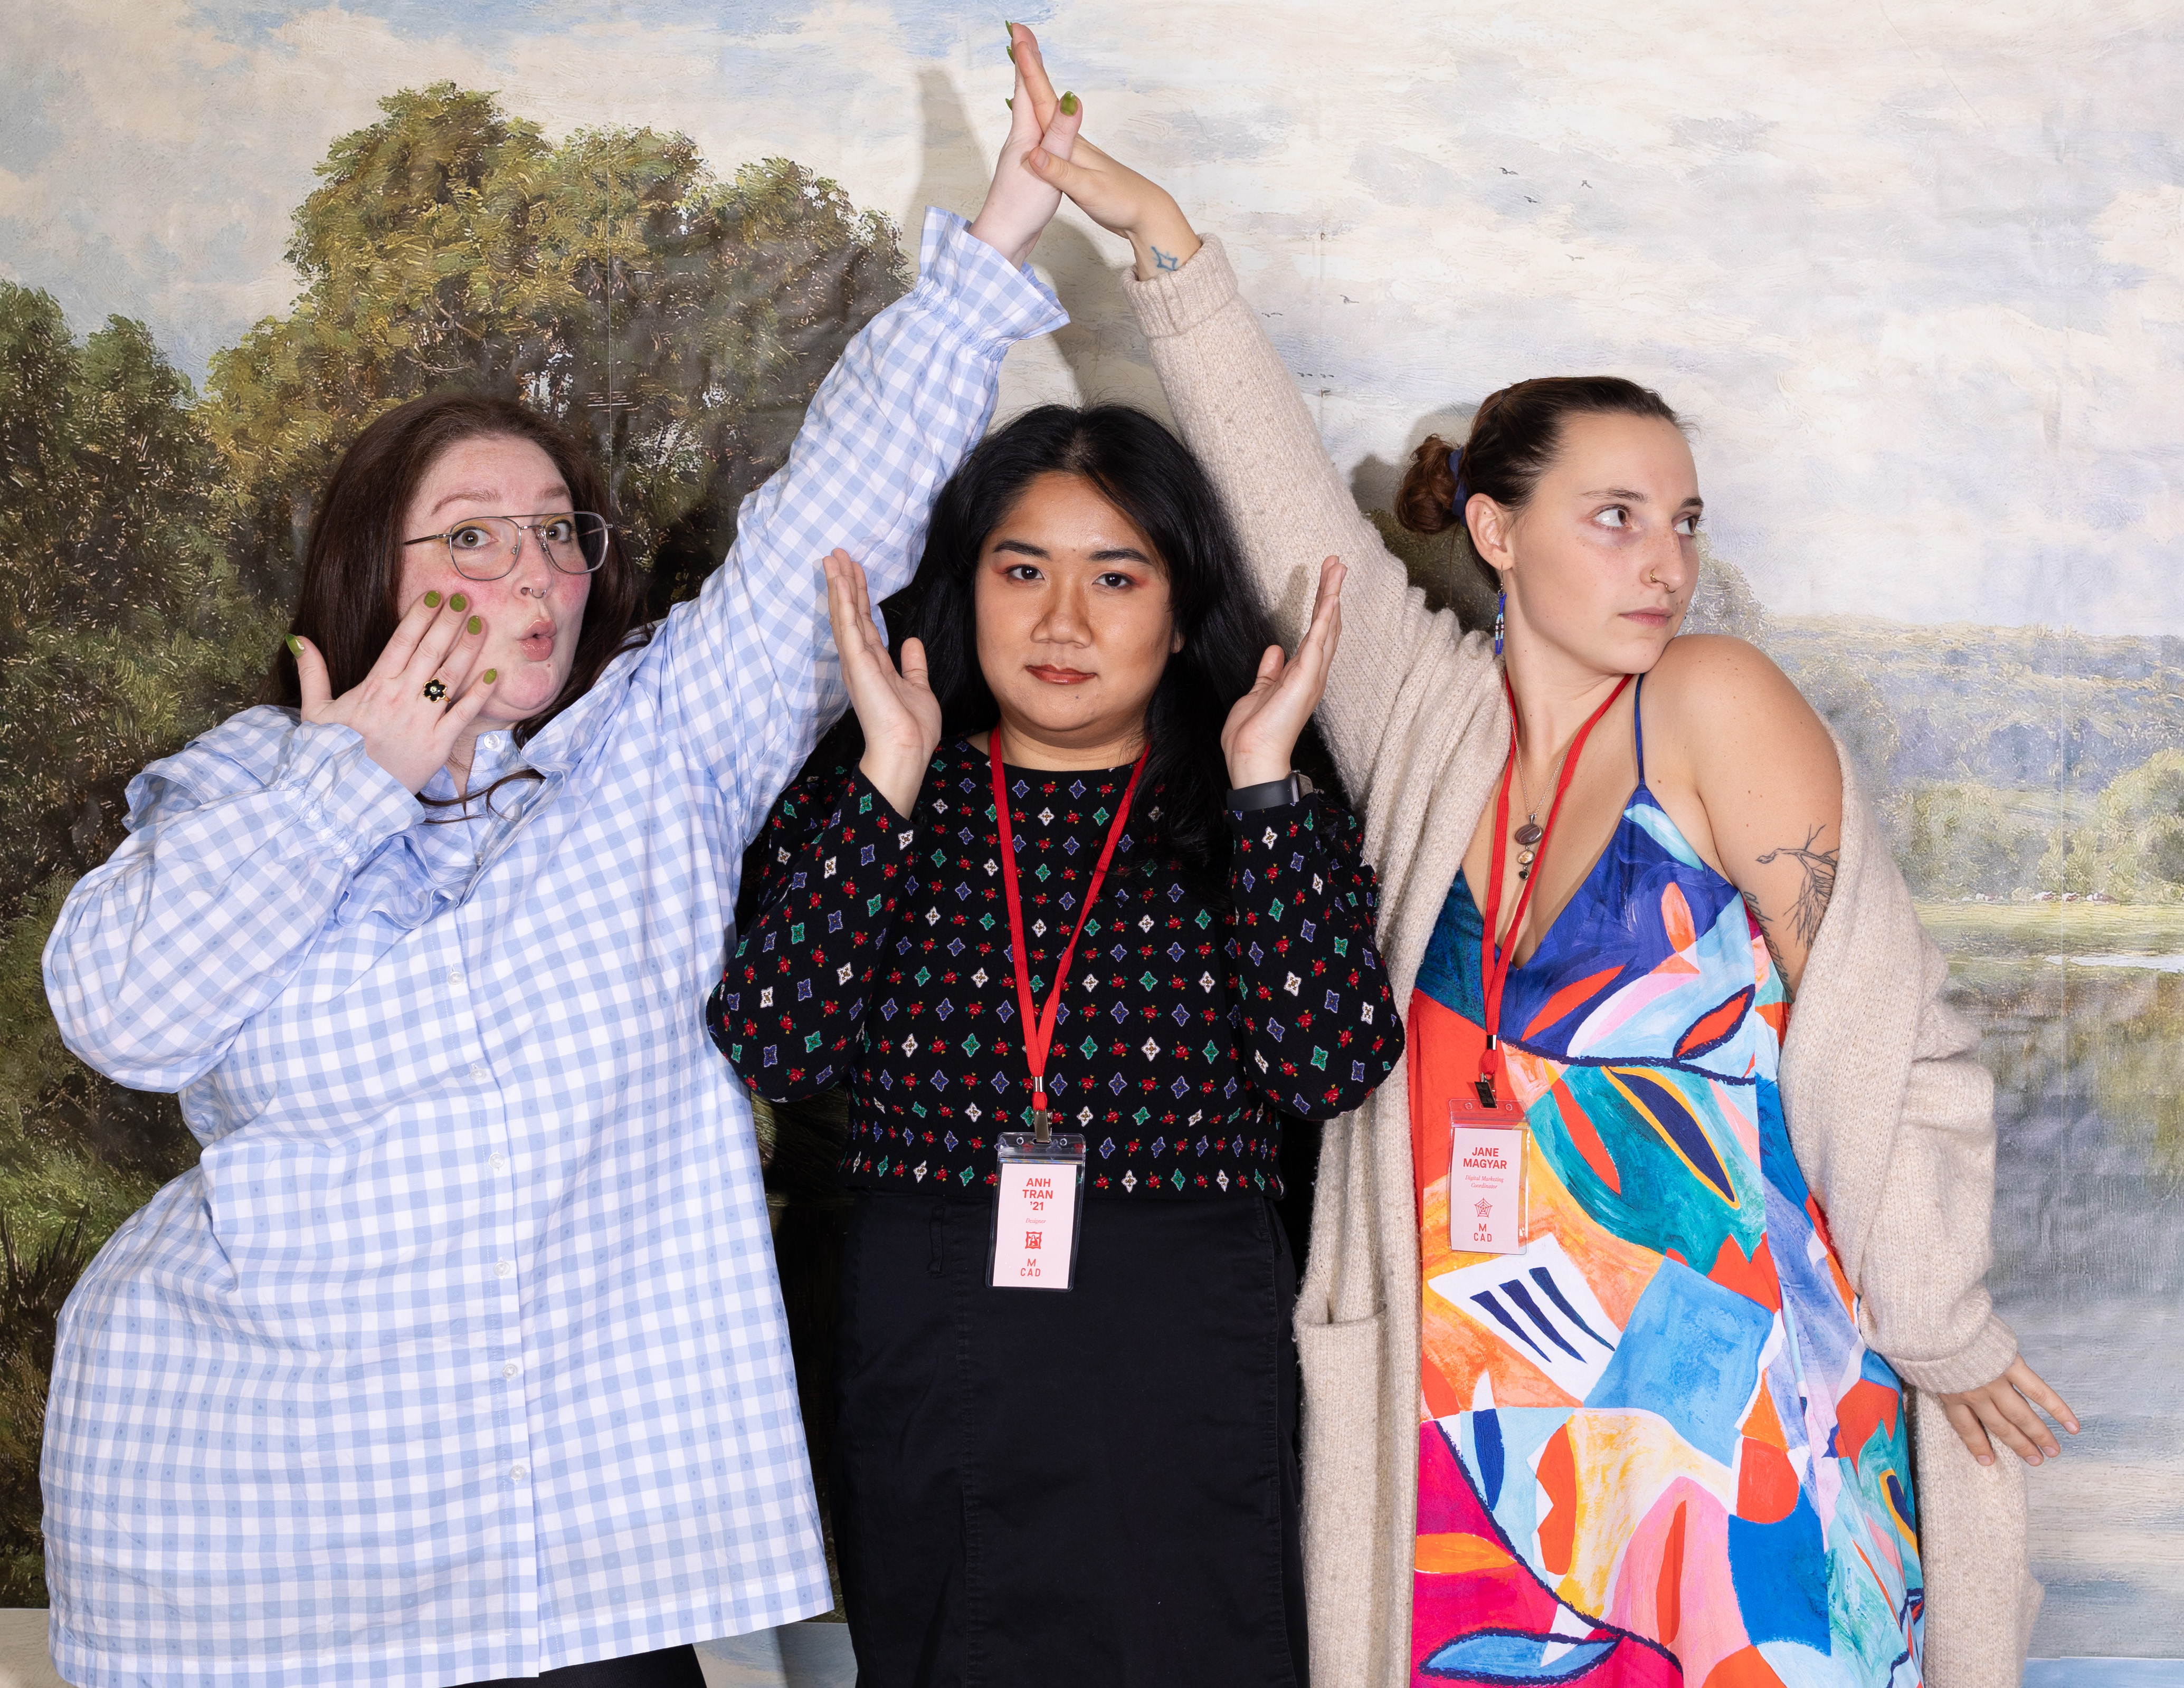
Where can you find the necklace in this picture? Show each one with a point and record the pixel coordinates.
(1527, 837)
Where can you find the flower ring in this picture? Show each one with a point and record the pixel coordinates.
(435, 689)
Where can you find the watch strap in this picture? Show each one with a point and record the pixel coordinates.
(1273, 794)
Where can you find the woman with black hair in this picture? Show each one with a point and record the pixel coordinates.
(1073, 930)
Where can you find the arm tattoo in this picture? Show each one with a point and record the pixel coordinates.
(1163, 260)
(1767, 934)
(1812, 903)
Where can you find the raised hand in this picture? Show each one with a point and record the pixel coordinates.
(1260, 736)
(407, 731)
(897, 711)
(1019, 205)
(1114, 195)
(2003, 1411)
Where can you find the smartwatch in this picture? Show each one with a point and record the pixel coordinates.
(1273, 794)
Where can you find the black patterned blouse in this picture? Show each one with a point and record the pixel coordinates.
(882, 954)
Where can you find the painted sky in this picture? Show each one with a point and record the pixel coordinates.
(1916, 270)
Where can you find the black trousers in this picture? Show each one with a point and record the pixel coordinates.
(1094, 1487)
(669, 1668)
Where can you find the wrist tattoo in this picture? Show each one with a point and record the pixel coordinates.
(1163, 260)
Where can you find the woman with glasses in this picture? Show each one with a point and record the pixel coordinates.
(459, 1356)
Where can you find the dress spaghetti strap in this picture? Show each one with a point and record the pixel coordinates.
(1638, 725)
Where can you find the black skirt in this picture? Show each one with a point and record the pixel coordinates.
(1098, 1486)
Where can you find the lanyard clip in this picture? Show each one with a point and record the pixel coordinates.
(1042, 1124)
(1484, 1086)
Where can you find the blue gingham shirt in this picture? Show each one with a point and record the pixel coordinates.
(460, 1354)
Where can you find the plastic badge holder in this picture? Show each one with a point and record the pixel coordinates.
(1487, 1189)
(1037, 1212)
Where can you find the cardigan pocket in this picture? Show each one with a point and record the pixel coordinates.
(1341, 1363)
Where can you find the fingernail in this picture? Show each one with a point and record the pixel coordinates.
(1986, 1459)
(475, 624)
(2073, 1425)
(432, 600)
(1011, 104)
(1012, 55)
(296, 648)
(1069, 105)
(491, 675)
(459, 602)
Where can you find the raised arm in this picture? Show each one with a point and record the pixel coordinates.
(1239, 411)
(239, 851)
(751, 665)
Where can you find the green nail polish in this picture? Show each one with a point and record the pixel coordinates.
(1011, 104)
(475, 625)
(432, 600)
(491, 675)
(295, 645)
(459, 603)
(1069, 105)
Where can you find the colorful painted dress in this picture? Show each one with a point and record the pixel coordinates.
(1653, 1448)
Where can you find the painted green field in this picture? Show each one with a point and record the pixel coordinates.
(2025, 929)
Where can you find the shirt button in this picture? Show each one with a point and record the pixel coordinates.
(502, 1268)
(454, 978)
(510, 1369)
(478, 1069)
(518, 1472)
(498, 1163)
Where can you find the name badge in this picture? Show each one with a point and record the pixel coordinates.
(1487, 1178)
(1036, 1210)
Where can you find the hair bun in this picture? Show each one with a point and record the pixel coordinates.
(1425, 502)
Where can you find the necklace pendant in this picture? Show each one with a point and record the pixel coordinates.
(1529, 833)
(1525, 857)
(1523, 872)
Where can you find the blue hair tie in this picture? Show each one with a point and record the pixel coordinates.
(1456, 470)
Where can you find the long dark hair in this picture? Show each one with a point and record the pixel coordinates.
(350, 601)
(1514, 435)
(1149, 475)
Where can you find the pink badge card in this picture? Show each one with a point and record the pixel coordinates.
(1485, 1179)
(1036, 1209)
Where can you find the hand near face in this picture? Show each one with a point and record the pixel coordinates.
(897, 711)
(1260, 739)
(438, 644)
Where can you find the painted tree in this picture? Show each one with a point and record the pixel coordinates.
(679, 323)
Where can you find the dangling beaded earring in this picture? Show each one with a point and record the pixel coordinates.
(1500, 606)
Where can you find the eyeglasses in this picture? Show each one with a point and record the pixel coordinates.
(488, 547)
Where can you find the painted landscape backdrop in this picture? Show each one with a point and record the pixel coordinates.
(1918, 276)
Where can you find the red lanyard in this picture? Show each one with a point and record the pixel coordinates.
(1039, 1031)
(1495, 957)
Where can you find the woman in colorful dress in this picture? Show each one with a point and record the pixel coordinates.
(1663, 1437)
(459, 1356)
(1072, 880)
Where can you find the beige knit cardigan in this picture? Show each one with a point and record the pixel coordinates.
(1891, 1117)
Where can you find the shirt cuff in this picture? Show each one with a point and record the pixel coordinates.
(861, 798)
(1176, 301)
(1246, 824)
(996, 303)
(342, 795)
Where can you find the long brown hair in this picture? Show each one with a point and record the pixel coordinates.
(1514, 435)
(349, 603)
